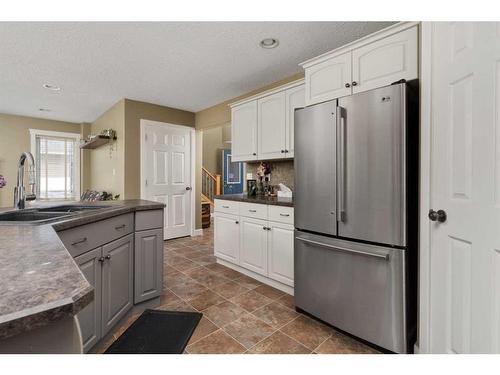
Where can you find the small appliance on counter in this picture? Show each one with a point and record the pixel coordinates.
(251, 188)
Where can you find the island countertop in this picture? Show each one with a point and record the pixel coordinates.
(259, 199)
(39, 280)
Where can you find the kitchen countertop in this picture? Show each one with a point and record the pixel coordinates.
(259, 199)
(39, 280)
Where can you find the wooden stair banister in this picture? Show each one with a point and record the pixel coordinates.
(211, 185)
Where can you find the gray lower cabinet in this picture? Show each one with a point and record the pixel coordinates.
(117, 280)
(148, 264)
(90, 317)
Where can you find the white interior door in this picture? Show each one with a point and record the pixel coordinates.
(166, 173)
(464, 285)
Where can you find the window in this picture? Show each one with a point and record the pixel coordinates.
(57, 159)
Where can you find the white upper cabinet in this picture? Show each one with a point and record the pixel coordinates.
(374, 61)
(268, 119)
(295, 98)
(271, 126)
(244, 131)
(385, 61)
(328, 79)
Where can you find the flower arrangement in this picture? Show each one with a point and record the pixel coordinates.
(3, 181)
(263, 170)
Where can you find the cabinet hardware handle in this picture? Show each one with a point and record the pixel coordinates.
(236, 222)
(282, 151)
(84, 239)
(119, 227)
(252, 210)
(108, 256)
(347, 85)
(354, 83)
(265, 228)
(101, 259)
(285, 215)
(287, 151)
(254, 154)
(225, 206)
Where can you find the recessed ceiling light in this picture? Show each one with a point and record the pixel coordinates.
(269, 43)
(44, 109)
(51, 87)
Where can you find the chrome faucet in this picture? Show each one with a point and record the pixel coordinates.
(20, 196)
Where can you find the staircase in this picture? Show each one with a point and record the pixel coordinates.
(210, 187)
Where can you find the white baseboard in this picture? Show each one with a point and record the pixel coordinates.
(263, 279)
(197, 232)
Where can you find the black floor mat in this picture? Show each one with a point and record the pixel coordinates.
(157, 332)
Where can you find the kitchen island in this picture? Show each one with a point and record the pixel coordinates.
(42, 287)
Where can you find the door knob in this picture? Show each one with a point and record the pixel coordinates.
(188, 187)
(438, 215)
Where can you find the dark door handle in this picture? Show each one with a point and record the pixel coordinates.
(438, 215)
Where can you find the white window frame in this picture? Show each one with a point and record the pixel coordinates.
(50, 133)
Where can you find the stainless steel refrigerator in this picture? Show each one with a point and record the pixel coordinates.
(356, 202)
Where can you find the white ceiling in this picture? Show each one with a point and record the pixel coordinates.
(184, 65)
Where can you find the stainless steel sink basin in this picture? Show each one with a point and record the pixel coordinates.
(71, 208)
(44, 215)
(30, 216)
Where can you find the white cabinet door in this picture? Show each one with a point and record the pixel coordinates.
(226, 237)
(244, 132)
(280, 252)
(253, 245)
(385, 61)
(329, 79)
(271, 126)
(295, 98)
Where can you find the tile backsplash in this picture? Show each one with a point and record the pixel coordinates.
(281, 171)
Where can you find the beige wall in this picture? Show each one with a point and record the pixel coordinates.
(107, 163)
(214, 140)
(221, 114)
(134, 112)
(15, 139)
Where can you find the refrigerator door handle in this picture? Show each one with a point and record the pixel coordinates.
(341, 213)
(343, 249)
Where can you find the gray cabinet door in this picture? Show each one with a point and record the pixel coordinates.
(90, 317)
(117, 280)
(148, 273)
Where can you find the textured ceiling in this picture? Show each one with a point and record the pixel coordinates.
(184, 65)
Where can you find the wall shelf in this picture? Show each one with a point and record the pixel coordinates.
(98, 141)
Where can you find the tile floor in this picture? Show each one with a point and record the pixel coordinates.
(240, 314)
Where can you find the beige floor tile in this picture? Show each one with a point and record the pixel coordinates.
(205, 260)
(205, 300)
(188, 290)
(278, 343)
(251, 300)
(178, 305)
(342, 344)
(218, 342)
(248, 330)
(287, 300)
(269, 291)
(204, 328)
(230, 289)
(308, 332)
(224, 313)
(275, 314)
(206, 277)
(248, 282)
(224, 271)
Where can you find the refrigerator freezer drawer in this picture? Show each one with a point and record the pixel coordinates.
(356, 287)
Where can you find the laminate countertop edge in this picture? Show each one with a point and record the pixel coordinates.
(40, 282)
(272, 201)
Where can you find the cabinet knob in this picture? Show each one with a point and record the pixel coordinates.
(354, 83)
(101, 259)
(108, 256)
(236, 222)
(287, 151)
(282, 151)
(347, 85)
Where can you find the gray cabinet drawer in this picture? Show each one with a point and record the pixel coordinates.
(145, 220)
(87, 237)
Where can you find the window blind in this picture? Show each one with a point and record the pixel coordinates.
(56, 167)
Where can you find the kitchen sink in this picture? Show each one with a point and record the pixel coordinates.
(71, 208)
(44, 215)
(30, 216)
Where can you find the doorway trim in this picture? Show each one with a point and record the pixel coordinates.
(143, 123)
(424, 276)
